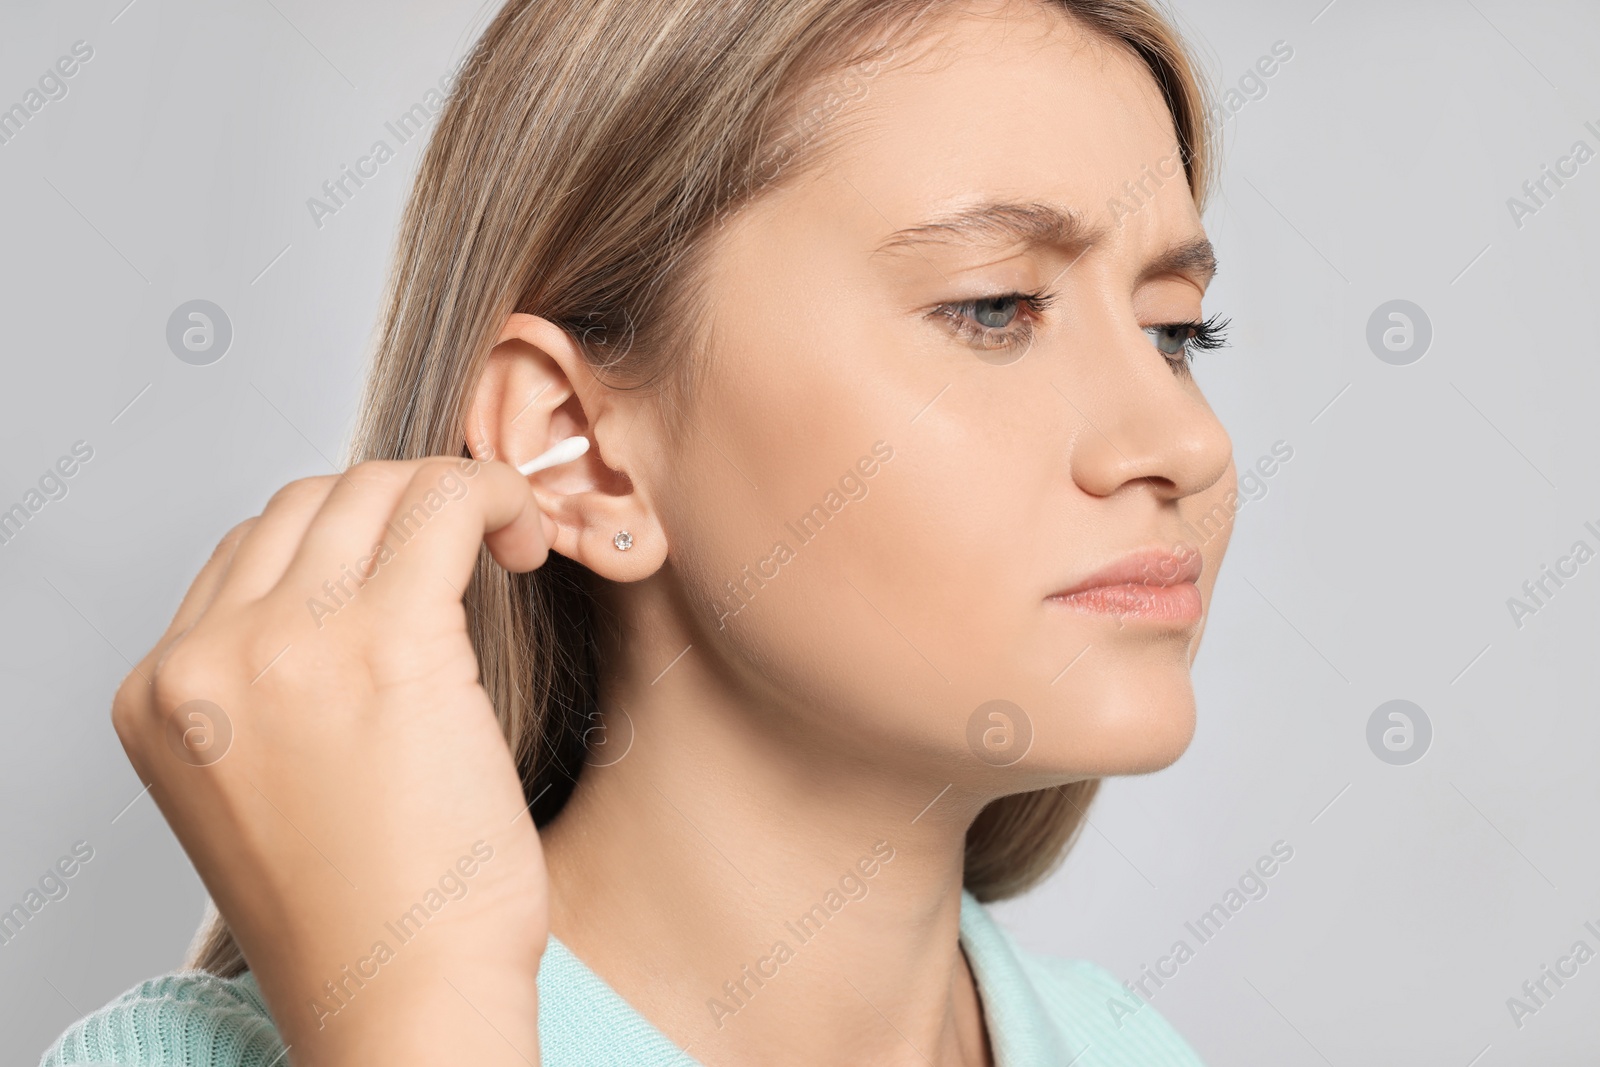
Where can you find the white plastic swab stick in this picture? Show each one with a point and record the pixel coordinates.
(561, 452)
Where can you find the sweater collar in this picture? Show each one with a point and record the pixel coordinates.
(1020, 1030)
(580, 1015)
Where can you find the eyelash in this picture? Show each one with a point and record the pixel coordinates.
(1203, 335)
(993, 338)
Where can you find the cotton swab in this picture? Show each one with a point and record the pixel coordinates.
(561, 452)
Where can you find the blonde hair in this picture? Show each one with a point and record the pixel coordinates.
(576, 171)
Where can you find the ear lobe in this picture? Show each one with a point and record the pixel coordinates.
(529, 397)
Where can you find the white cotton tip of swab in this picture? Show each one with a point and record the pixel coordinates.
(561, 452)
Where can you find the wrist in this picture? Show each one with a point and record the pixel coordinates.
(421, 1010)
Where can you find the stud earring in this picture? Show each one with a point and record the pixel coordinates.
(623, 540)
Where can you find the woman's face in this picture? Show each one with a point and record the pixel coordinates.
(893, 468)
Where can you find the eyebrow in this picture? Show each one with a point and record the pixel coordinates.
(1033, 224)
(1196, 257)
(997, 223)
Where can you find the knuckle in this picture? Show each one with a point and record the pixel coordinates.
(130, 706)
(237, 533)
(376, 475)
(298, 493)
(191, 669)
(229, 541)
(451, 478)
(431, 470)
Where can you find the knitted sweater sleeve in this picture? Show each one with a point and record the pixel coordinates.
(184, 1019)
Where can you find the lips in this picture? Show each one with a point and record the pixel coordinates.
(1147, 566)
(1153, 583)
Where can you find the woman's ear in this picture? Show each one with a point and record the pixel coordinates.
(537, 389)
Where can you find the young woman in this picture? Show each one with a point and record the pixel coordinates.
(896, 528)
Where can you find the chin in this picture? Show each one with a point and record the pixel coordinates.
(1141, 733)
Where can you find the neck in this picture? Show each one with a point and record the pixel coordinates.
(761, 892)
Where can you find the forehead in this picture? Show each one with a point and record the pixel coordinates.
(1013, 100)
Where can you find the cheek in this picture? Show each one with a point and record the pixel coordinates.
(814, 608)
(831, 513)
(888, 611)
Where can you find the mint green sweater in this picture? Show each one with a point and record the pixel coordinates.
(1040, 1012)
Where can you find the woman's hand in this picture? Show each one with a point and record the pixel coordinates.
(312, 727)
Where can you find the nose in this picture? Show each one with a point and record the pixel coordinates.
(1143, 422)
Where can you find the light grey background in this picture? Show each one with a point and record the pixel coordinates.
(1378, 564)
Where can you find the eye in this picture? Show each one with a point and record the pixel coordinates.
(1178, 341)
(1172, 338)
(995, 312)
(1000, 321)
